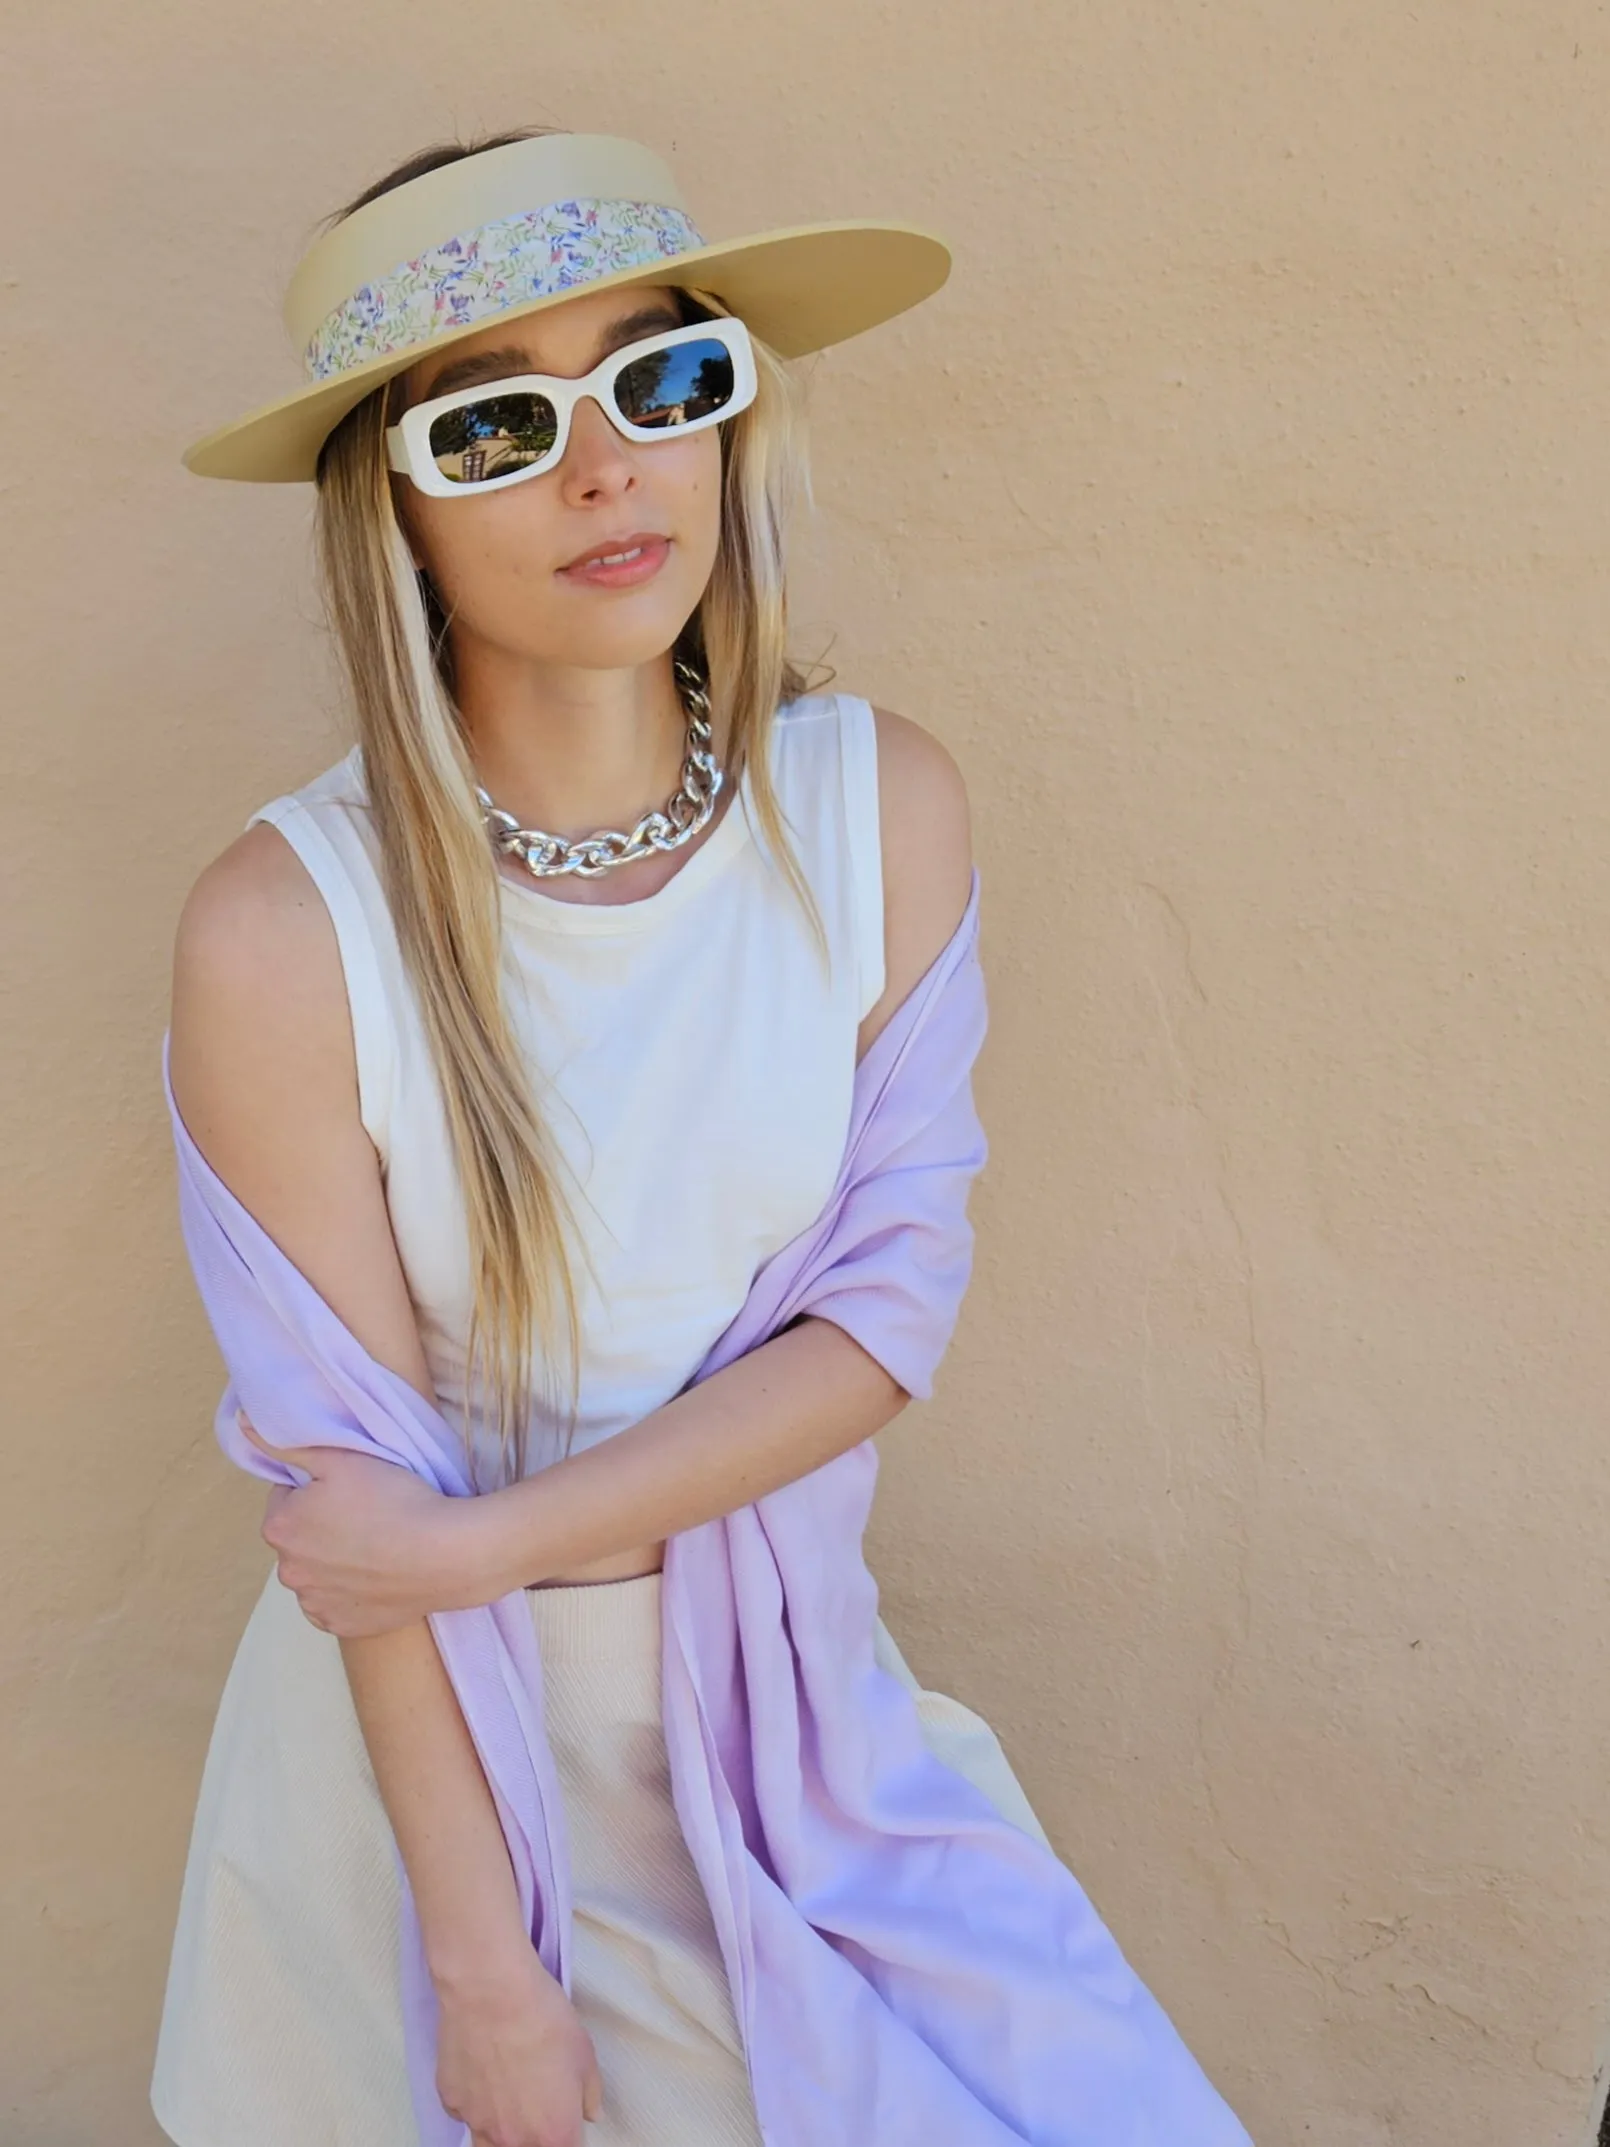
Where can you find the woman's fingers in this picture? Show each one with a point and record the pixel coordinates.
(343, 1617)
(302, 1457)
(592, 2089)
(570, 2136)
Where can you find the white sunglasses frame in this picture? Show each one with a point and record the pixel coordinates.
(408, 441)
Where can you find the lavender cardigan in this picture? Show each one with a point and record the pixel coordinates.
(909, 1969)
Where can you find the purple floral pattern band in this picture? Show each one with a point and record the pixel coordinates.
(533, 254)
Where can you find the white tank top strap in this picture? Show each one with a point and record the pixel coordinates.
(827, 782)
(860, 754)
(320, 824)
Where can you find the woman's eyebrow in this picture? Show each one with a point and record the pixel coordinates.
(503, 364)
(646, 321)
(484, 365)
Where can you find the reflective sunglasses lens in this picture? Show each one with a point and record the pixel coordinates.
(490, 438)
(673, 387)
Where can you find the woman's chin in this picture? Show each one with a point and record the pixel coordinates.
(626, 629)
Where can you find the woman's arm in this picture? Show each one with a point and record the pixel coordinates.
(362, 1554)
(264, 1074)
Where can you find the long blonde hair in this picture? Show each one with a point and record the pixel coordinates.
(440, 876)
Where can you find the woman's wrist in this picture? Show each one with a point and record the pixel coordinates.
(485, 1549)
(469, 1961)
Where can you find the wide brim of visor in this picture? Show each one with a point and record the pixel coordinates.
(798, 290)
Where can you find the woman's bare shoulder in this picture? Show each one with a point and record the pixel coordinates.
(255, 952)
(265, 1077)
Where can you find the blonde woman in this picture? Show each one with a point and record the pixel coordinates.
(528, 1033)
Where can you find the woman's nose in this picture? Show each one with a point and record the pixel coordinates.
(596, 459)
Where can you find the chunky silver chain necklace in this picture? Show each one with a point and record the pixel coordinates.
(665, 828)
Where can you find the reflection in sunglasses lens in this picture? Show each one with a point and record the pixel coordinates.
(482, 440)
(673, 387)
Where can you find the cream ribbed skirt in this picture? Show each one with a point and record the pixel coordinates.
(282, 2023)
(647, 1977)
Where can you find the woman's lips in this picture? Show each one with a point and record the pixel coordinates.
(638, 560)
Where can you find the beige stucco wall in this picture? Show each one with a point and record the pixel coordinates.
(1239, 516)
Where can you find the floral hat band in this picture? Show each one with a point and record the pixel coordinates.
(503, 232)
(536, 253)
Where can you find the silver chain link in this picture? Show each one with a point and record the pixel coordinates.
(665, 828)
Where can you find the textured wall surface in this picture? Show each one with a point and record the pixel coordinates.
(1239, 515)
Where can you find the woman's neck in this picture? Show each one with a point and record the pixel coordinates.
(570, 749)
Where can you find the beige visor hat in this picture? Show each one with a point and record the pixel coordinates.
(508, 231)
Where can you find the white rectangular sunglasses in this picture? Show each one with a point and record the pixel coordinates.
(482, 438)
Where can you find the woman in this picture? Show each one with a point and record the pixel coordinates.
(516, 1102)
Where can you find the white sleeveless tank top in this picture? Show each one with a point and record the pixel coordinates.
(690, 1052)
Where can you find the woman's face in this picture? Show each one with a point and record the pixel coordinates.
(504, 564)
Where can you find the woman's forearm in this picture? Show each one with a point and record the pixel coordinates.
(369, 1549)
(439, 1805)
(775, 1414)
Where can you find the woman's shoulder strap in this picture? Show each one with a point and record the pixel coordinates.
(326, 822)
(827, 758)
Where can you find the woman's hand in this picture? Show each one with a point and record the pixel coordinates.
(366, 1546)
(513, 2061)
